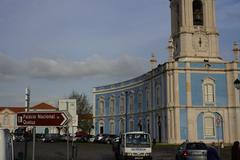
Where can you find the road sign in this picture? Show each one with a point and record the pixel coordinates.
(42, 118)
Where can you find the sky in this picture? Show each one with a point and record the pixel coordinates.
(55, 47)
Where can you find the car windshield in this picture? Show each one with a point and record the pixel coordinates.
(137, 139)
(196, 146)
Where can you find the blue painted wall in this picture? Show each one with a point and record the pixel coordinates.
(221, 88)
(183, 124)
(182, 89)
(200, 129)
(200, 134)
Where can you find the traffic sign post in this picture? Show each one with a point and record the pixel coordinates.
(55, 118)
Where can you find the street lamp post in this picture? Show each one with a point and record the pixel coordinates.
(237, 83)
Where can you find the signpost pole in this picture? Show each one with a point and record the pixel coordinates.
(34, 143)
(27, 105)
(67, 142)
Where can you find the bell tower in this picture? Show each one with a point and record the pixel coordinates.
(193, 30)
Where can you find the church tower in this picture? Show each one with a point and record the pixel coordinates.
(194, 32)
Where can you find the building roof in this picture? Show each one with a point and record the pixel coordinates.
(43, 106)
(13, 109)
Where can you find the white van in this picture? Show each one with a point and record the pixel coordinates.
(135, 145)
(6, 145)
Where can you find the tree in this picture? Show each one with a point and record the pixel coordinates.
(83, 108)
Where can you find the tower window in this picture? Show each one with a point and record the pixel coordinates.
(209, 92)
(197, 12)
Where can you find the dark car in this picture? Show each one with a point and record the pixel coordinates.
(87, 138)
(19, 138)
(115, 146)
(99, 138)
(192, 151)
(51, 138)
(108, 138)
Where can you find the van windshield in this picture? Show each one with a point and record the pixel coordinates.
(140, 140)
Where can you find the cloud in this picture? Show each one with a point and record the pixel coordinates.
(9, 68)
(56, 69)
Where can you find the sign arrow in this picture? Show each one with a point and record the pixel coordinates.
(42, 118)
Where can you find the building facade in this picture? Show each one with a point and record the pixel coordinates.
(70, 105)
(8, 116)
(191, 96)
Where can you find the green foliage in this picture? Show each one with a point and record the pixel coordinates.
(83, 107)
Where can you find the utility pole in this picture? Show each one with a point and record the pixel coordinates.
(27, 104)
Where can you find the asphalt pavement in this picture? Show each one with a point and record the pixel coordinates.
(90, 151)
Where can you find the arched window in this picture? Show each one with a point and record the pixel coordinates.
(158, 95)
(101, 107)
(209, 126)
(131, 103)
(131, 125)
(112, 127)
(197, 12)
(5, 119)
(122, 104)
(148, 98)
(122, 126)
(111, 105)
(140, 102)
(209, 92)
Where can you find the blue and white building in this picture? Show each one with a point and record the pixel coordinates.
(191, 96)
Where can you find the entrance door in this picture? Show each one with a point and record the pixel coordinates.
(159, 130)
(101, 129)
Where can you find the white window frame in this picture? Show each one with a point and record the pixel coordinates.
(6, 119)
(148, 98)
(131, 125)
(111, 127)
(111, 106)
(208, 115)
(158, 95)
(140, 102)
(122, 105)
(101, 106)
(206, 83)
(122, 125)
(131, 103)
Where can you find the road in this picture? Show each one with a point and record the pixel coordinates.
(91, 151)
(85, 151)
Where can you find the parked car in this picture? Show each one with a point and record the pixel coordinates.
(108, 138)
(192, 151)
(99, 137)
(18, 135)
(70, 138)
(91, 138)
(18, 138)
(115, 146)
(51, 138)
(86, 138)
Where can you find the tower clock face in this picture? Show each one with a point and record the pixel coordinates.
(200, 42)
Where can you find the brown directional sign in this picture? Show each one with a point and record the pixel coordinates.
(42, 119)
